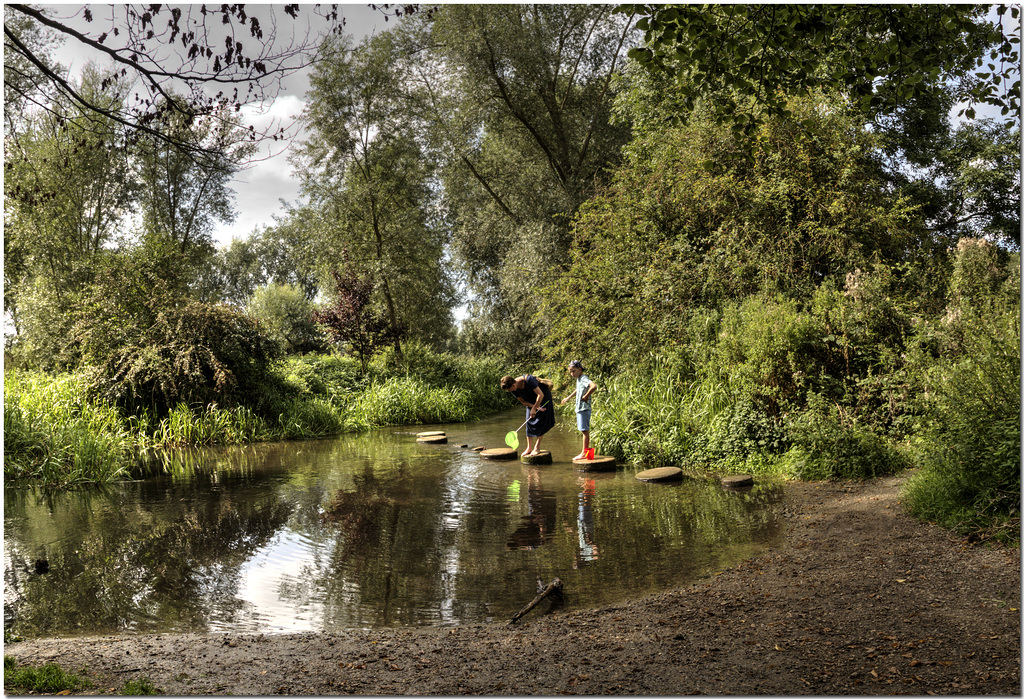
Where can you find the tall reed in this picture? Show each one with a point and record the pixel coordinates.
(54, 435)
(655, 417)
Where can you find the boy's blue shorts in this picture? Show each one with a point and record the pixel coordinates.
(583, 421)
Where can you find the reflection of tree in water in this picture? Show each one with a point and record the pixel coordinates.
(538, 524)
(161, 564)
(363, 514)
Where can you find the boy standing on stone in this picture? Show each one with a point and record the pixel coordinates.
(584, 389)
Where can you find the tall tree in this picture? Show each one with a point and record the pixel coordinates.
(181, 199)
(370, 188)
(518, 101)
(68, 187)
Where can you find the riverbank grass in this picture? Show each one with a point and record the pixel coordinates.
(47, 679)
(56, 434)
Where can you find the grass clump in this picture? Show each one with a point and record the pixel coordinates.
(140, 687)
(54, 434)
(48, 679)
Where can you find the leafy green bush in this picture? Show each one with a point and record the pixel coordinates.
(969, 446)
(150, 347)
(740, 431)
(286, 315)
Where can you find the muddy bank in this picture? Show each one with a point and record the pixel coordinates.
(858, 599)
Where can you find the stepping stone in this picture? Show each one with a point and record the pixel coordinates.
(598, 463)
(499, 454)
(433, 439)
(738, 481)
(429, 434)
(543, 457)
(661, 475)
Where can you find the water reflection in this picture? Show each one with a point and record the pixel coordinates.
(362, 531)
(585, 523)
(538, 524)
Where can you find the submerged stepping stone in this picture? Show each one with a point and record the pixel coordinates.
(435, 433)
(542, 457)
(738, 481)
(501, 454)
(661, 475)
(598, 463)
(433, 439)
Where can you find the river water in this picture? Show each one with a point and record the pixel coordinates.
(362, 531)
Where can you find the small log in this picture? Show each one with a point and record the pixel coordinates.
(553, 590)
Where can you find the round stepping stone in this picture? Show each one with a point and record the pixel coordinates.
(542, 457)
(500, 454)
(661, 475)
(433, 439)
(598, 463)
(738, 481)
(435, 433)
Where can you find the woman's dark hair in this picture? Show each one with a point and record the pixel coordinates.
(507, 382)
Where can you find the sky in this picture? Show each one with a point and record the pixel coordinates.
(260, 189)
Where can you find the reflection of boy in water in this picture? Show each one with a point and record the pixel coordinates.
(585, 519)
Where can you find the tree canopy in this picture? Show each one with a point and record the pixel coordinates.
(880, 56)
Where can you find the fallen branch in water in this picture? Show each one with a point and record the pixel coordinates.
(553, 590)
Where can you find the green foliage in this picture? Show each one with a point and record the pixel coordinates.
(151, 347)
(810, 208)
(520, 122)
(969, 449)
(140, 687)
(740, 431)
(48, 679)
(408, 401)
(286, 315)
(827, 444)
(654, 413)
(881, 56)
(55, 435)
(371, 200)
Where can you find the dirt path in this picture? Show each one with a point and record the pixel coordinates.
(860, 599)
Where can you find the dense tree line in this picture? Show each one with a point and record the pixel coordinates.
(792, 216)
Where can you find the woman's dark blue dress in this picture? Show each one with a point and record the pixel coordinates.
(545, 419)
